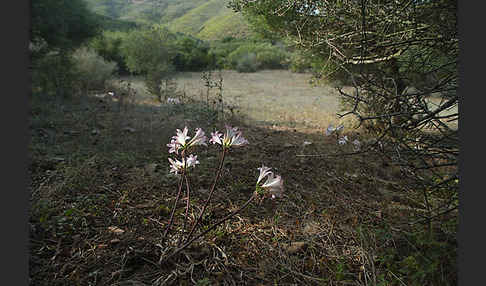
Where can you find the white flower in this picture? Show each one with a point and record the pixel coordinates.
(181, 136)
(331, 129)
(273, 186)
(173, 100)
(216, 138)
(173, 146)
(232, 137)
(357, 145)
(198, 139)
(192, 161)
(177, 166)
(179, 141)
(264, 171)
(343, 140)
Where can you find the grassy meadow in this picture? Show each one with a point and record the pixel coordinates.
(101, 193)
(277, 98)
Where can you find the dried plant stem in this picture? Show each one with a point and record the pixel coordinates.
(210, 228)
(218, 173)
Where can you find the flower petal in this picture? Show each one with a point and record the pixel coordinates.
(191, 161)
(264, 171)
(198, 139)
(330, 130)
(273, 186)
(181, 136)
(343, 140)
(216, 138)
(357, 145)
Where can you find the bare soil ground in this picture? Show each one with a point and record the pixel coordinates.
(101, 195)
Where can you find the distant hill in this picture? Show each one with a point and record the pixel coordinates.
(205, 19)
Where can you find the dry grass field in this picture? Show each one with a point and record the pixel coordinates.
(278, 98)
(271, 98)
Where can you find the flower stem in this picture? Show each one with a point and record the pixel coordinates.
(174, 207)
(209, 229)
(187, 205)
(218, 173)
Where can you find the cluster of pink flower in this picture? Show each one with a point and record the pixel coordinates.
(344, 139)
(182, 143)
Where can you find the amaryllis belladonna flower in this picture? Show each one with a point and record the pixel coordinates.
(343, 140)
(357, 145)
(331, 129)
(272, 187)
(232, 137)
(181, 141)
(177, 166)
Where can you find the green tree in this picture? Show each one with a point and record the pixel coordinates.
(401, 57)
(57, 28)
(192, 54)
(150, 52)
(61, 24)
(108, 45)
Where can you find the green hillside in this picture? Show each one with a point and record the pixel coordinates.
(223, 25)
(205, 19)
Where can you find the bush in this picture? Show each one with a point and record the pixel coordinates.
(91, 69)
(192, 54)
(299, 62)
(108, 45)
(272, 59)
(266, 56)
(53, 74)
(248, 63)
(150, 52)
(219, 51)
(148, 49)
(157, 80)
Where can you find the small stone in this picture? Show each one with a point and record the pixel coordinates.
(129, 129)
(116, 230)
(57, 159)
(311, 228)
(152, 168)
(295, 247)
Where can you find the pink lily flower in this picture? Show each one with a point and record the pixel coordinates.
(179, 141)
(273, 186)
(177, 166)
(264, 171)
(343, 140)
(232, 137)
(331, 129)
